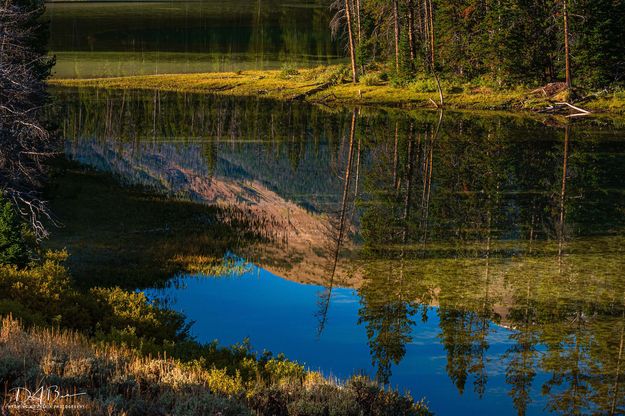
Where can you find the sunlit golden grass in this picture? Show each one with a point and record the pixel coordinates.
(117, 381)
(373, 89)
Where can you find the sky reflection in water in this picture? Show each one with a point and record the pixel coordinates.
(279, 315)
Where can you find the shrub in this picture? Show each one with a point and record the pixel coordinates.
(279, 369)
(341, 73)
(13, 247)
(209, 404)
(42, 293)
(371, 79)
(19, 311)
(359, 396)
(269, 401)
(401, 80)
(134, 313)
(619, 94)
(39, 289)
(220, 382)
(424, 84)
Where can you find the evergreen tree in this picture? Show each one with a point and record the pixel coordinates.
(13, 248)
(598, 30)
(508, 41)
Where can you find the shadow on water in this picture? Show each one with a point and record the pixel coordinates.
(501, 236)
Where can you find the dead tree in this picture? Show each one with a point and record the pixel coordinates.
(397, 32)
(344, 14)
(25, 142)
(567, 50)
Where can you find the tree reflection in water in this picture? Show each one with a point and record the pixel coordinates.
(493, 220)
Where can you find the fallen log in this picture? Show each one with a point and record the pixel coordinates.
(580, 110)
(562, 107)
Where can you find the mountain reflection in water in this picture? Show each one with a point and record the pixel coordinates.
(491, 244)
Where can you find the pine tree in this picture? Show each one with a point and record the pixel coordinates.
(13, 248)
(597, 31)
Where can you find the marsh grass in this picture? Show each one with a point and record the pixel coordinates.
(118, 381)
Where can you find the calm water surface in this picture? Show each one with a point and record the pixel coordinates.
(113, 38)
(477, 260)
(251, 304)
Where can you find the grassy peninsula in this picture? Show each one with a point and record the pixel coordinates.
(329, 85)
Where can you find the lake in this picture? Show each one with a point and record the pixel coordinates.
(476, 259)
(112, 38)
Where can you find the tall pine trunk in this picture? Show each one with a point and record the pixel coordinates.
(350, 34)
(432, 43)
(567, 50)
(411, 32)
(396, 20)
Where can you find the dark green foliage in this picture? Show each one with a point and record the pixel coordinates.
(13, 247)
(598, 28)
(507, 42)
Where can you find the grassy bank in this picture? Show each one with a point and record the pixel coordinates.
(329, 86)
(101, 379)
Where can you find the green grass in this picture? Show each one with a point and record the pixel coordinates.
(373, 90)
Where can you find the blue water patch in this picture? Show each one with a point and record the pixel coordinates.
(279, 315)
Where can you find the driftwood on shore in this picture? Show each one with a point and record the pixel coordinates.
(564, 108)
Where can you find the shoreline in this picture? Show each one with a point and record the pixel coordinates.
(325, 86)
